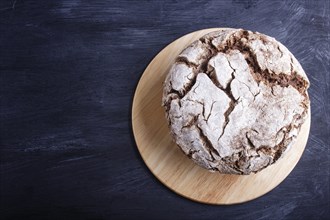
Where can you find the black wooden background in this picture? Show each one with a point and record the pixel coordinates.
(68, 74)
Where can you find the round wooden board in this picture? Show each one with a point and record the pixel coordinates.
(171, 166)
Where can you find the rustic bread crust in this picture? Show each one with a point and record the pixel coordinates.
(235, 101)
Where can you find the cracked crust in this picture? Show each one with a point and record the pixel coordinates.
(235, 101)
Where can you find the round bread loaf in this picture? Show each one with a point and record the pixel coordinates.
(235, 101)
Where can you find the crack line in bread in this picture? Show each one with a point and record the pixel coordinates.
(192, 152)
(208, 116)
(185, 61)
(207, 142)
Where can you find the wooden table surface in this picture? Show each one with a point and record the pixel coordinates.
(69, 70)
